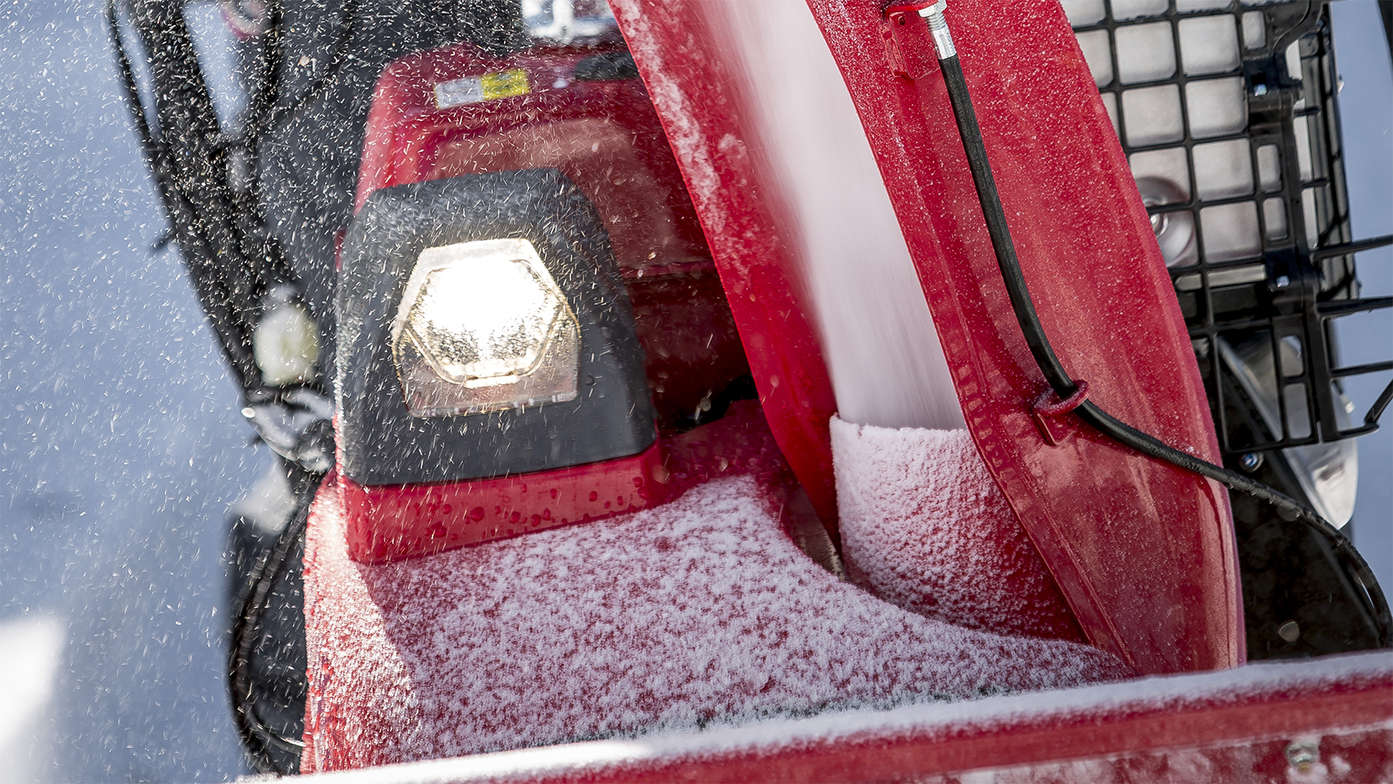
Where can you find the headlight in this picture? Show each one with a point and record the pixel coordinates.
(482, 326)
(484, 331)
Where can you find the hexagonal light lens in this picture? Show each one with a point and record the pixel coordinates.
(482, 326)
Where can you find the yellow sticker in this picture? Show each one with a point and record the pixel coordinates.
(505, 84)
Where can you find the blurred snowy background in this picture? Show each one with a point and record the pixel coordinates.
(121, 447)
(120, 444)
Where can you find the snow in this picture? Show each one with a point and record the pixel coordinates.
(29, 662)
(924, 718)
(925, 527)
(697, 611)
(120, 443)
(883, 355)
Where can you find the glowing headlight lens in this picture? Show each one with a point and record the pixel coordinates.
(483, 327)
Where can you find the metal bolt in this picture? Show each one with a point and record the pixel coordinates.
(938, 26)
(1303, 753)
(1289, 631)
(1250, 461)
(1282, 281)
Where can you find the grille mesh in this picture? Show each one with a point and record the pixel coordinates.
(1226, 110)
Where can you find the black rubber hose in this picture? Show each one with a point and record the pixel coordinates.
(190, 225)
(258, 739)
(1064, 386)
(267, 118)
(1385, 10)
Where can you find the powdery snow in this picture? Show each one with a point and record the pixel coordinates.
(924, 526)
(1172, 695)
(698, 611)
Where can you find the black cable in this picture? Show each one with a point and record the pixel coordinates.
(258, 739)
(188, 225)
(220, 237)
(1065, 387)
(271, 117)
(229, 255)
(1385, 10)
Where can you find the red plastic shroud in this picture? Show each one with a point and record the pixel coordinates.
(1143, 552)
(604, 136)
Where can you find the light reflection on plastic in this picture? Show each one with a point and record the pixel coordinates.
(483, 327)
(1327, 472)
(568, 21)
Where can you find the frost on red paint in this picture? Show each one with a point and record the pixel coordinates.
(924, 527)
(701, 610)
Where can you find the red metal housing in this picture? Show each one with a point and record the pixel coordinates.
(1326, 720)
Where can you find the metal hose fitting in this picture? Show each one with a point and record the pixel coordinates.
(938, 26)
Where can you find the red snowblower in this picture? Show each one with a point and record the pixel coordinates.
(807, 390)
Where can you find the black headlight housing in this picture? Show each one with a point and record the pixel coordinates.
(381, 442)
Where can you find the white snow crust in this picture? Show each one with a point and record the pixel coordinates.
(921, 718)
(924, 526)
(697, 611)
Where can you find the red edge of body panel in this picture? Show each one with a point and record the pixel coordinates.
(389, 522)
(1117, 732)
(1143, 552)
(1185, 728)
(745, 228)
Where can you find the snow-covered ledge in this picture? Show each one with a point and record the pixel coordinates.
(1312, 720)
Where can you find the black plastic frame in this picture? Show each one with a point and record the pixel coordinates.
(380, 442)
(1300, 280)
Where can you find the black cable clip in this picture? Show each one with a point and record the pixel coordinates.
(1050, 413)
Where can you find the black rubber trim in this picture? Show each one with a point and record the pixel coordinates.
(268, 750)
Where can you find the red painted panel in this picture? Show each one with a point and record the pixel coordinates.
(601, 133)
(391, 522)
(388, 522)
(747, 229)
(1257, 724)
(1143, 552)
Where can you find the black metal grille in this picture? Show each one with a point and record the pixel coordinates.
(1226, 111)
